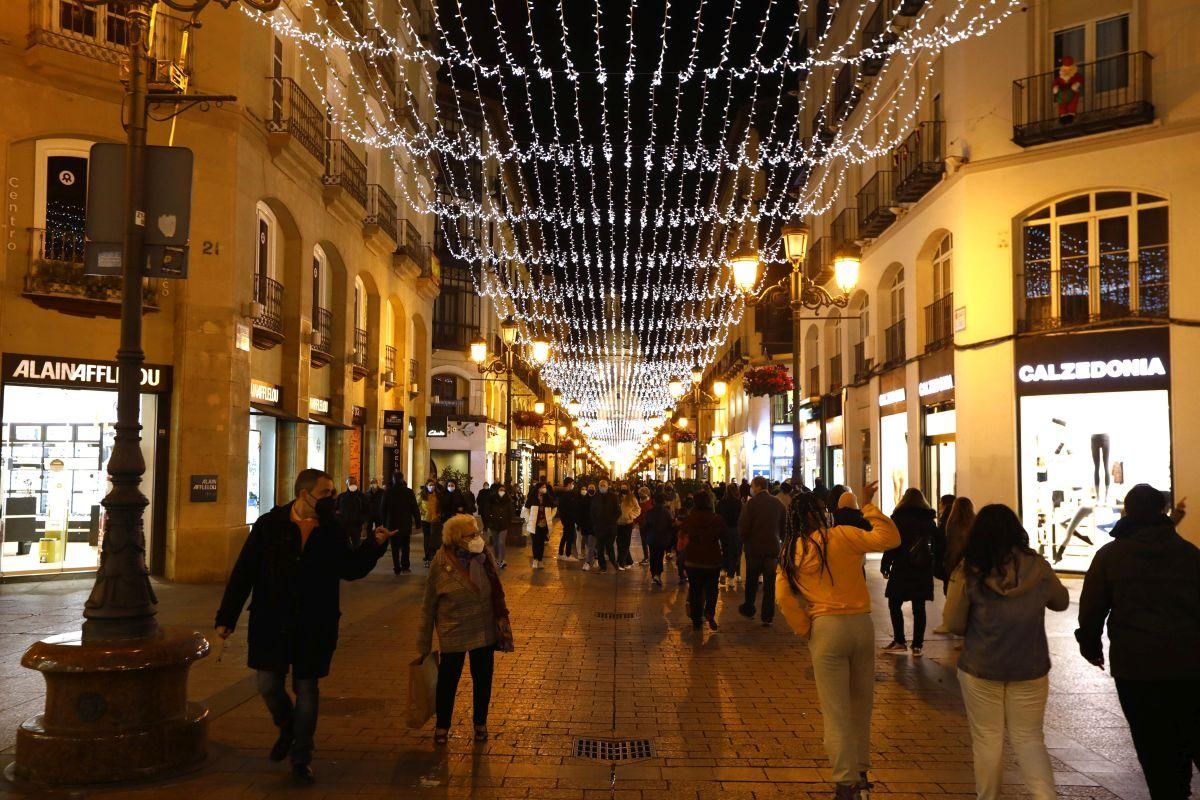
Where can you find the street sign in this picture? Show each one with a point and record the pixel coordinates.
(166, 217)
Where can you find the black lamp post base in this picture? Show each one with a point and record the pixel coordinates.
(115, 710)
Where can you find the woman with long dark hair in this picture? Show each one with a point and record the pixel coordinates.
(908, 568)
(823, 567)
(998, 600)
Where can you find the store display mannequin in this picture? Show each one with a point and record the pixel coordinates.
(1101, 448)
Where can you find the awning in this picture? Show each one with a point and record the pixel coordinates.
(270, 411)
(328, 422)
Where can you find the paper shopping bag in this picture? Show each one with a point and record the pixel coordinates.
(422, 690)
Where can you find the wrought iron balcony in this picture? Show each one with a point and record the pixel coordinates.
(919, 161)
(356, 14)
(358, 356)
(295, 117)
(411, 245)
(1116, 93)
(268, 324)
(894, 345)
(102, 33)
(939, 323)
(846, 92)
(54, 278)
(814, 381)
(820, 260)
(844, 230)
(1082, 295)
(835, 373)
(389, 366)
(384, 62)
(877, 204)
(345, 170)
(862, 369)
(322, 349)
(381, 211)
(877, 36)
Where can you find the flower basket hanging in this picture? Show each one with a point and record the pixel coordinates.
(767, 380)
(527, 419)
(685, 436)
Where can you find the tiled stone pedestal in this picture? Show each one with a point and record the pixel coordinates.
(115, 710)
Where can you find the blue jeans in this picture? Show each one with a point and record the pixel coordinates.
(566, 545)
(497, 538)
(300, 718)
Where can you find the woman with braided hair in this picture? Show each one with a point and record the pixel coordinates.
(824, 596)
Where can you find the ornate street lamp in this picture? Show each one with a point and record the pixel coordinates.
(502, 364)
(802, 293)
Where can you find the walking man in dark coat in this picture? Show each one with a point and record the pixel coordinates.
(761, 525)
(400, 513)
(606, 510)
(293, 564)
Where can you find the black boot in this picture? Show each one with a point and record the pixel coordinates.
(283, 745)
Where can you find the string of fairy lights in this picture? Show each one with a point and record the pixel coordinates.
(606, 235)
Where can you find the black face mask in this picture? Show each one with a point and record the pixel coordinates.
(326, 507)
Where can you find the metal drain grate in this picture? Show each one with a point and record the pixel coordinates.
(615, 614)
(613, 749)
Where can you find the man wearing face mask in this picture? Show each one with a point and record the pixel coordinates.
(352, 510)
(293, 563)
(497, 514)
(586, 526)
(429, 500)
(455, 501)
(400, 512)
(606, 511)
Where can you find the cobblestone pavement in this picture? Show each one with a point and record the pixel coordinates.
(729, 714)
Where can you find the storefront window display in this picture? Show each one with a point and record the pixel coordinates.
(810, 446)
(1084, 441)
(781, 456)
(940, 452)
(260, 466)
(56, 442)
(893, 459)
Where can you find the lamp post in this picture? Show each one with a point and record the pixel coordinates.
(122, 657)
(700, 401)
(502, 364)
(802, 293)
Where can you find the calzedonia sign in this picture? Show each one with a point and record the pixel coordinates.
(77, 373)
(1124, 360)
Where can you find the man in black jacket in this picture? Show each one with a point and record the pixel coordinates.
(352, 510)
(1146, 583)
(293, 563)
(399, 512)
(606, 510)
(568, 512)
(761, 526)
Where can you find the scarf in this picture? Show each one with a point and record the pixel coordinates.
(474, 562)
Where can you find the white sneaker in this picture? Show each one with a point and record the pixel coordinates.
(586, 566)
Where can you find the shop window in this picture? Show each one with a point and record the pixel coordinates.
(1095, 256)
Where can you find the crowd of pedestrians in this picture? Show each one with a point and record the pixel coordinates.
(1144, 587)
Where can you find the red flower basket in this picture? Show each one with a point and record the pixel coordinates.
(685, 436)
(767, 380)
(528, 419)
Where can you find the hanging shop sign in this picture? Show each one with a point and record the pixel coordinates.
(358, 416)
(393, 420)
(265, 394)
(1125, 360)
(77, 373)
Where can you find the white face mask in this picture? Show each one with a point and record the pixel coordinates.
(542, 491)
(502, 493)
(429, 487)
(450, 488)
(353, 487)
(476, 545)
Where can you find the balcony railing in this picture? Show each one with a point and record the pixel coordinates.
(103, 33)
(919, 162)
(835, 374)
(845, 228)
(734, 357)
(412, 245)
(383, 61)
(1093, 294)
(893, 341)
(268, 293)
(820, 260)
(876, 204)
(1115, 94)
(862, 369)
(939, 323)
(55, 277)
(814, 381)
(389, 366)
(358, 356)
(293, 114)
(781, 409)
(356, 14)
(346, 170)
(381, 210)
(846, 93)
(322, 349)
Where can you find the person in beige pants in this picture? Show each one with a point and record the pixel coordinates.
(998, 599)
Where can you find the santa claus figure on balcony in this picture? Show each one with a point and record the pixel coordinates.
(1067, 89)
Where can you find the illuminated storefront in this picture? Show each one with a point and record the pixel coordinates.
(1094, 420)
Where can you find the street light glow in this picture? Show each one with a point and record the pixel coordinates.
(720, 388)
(845, 268)
(745, 269)
(479, 351)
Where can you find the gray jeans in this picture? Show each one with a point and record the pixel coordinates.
(843, 656)
(300, 718)
(497, 538)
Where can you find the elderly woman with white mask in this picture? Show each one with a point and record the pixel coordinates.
(464, 601)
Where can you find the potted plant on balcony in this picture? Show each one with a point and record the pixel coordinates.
(767, 380)
(528, 419)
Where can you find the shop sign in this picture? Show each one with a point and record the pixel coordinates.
(204, 488)
(318, 405)
(77, 373)
(267, 394)
(891, 398)
(393, 420)
(358, 416)
(1125, 360)
(943, 383)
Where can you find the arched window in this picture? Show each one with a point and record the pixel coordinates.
(943, 273)
(939, 315)
(360, 305)
(834, 343)
(862, 337)
(893, 335)
(1095, 256)
(264, 247)
(320, 281)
